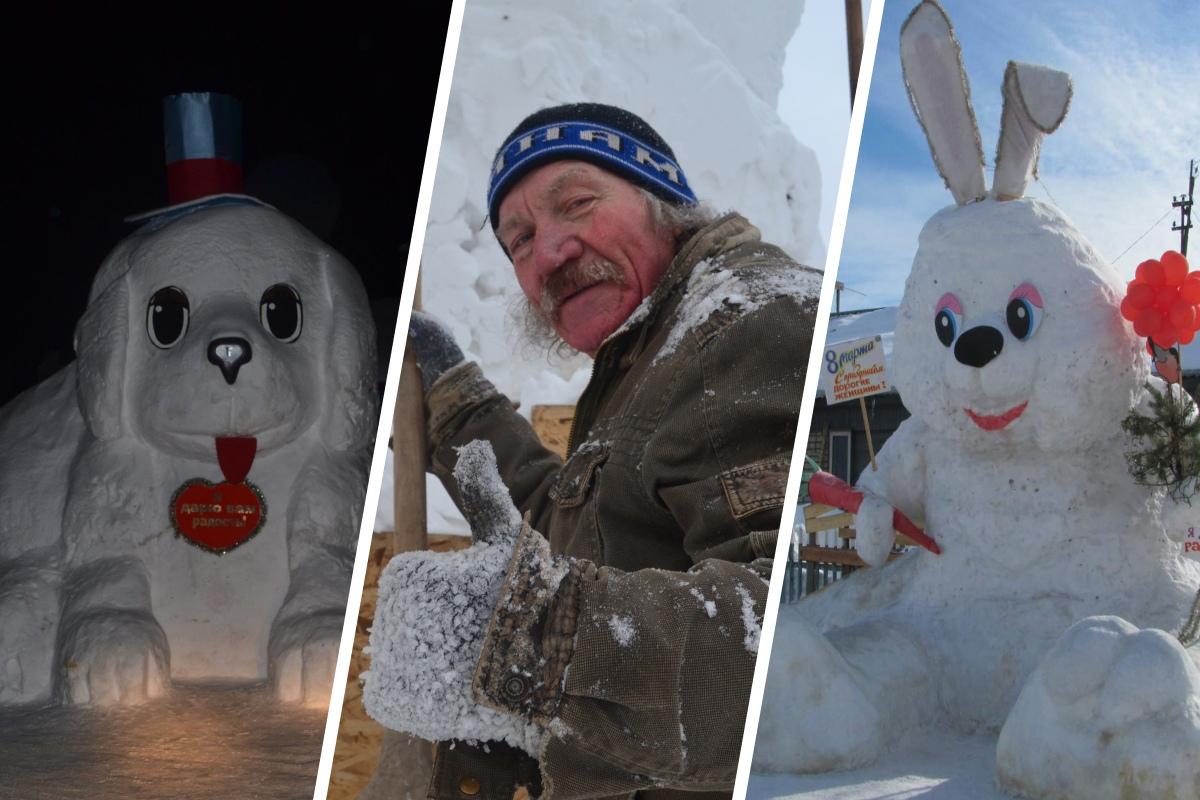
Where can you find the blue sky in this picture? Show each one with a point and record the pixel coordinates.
(1112, 167)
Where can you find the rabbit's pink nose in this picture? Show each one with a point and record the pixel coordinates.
(978, 346)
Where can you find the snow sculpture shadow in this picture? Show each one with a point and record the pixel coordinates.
(101, 602)
(1011, 354)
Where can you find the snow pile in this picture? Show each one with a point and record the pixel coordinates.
(1112, 712)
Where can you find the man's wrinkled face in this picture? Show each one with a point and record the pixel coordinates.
(585, 248)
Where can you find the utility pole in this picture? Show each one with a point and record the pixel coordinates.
(1184, 204)
(854, 42)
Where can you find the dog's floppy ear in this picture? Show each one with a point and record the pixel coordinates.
(101, 340)
(352, 410)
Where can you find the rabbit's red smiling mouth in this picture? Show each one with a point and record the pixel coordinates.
(995, 422)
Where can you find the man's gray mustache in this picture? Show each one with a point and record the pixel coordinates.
(570, 279)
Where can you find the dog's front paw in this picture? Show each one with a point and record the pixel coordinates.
(113, 657)
(304, 653)
(29, 609)
(1111, 712)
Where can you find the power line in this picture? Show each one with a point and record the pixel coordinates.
(1143, 236)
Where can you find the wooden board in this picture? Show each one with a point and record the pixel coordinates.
(552, 424)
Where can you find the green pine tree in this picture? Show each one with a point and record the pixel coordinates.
(1169, 455)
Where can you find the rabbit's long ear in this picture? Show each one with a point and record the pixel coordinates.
(1035, 102)
(941, 98)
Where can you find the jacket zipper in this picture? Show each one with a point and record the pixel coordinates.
(587, 399)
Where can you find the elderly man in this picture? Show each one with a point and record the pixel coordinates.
(622, 644)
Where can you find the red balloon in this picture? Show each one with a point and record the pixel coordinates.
(1165, 298)
(1182, 316)
(1175, 268)
(1147, 321)
(1173, 264)
(1128, 311)
(1165, 336)
(1186, 337)
(1141, 295)
(1151, 272)
(1189, 290)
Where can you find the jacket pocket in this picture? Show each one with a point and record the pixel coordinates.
(575, 479)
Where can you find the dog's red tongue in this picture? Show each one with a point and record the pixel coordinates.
(235, 455)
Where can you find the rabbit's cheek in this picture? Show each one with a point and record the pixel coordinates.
(963, 380)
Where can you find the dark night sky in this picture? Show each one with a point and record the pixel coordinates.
(335, 120)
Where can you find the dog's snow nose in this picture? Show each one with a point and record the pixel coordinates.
(229, 353)
(977, 346)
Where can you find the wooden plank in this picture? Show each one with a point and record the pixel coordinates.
(831, 555)
(829, 523)
(552, 424)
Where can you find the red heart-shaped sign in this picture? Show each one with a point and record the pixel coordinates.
(218, 517)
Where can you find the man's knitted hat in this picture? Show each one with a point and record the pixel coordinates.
(609, 137)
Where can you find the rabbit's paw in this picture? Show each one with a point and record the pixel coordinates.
(1111, 712)
(874, 534)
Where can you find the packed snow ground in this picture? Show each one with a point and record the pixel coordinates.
(930, 765)
(197, 743)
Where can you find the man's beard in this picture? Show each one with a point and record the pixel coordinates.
(536, 321)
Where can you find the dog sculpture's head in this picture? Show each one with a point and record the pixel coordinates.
(230, 321)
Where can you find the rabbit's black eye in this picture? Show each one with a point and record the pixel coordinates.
(167, 317)
(946, 326)
(1022, 317)
(1024, 312)
(281, 312)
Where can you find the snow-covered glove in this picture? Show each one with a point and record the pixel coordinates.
(433, 346)
(874, 534)
(432, 616)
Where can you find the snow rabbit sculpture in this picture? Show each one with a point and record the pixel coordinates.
(101, 602)
(1011, 354)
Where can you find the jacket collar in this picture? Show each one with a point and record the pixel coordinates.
(722, 234)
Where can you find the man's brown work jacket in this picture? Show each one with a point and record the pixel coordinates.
(669, 506)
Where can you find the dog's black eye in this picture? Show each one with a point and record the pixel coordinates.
(167, 317)
(281, 312)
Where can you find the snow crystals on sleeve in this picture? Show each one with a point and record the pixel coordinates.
(710, 288)
(750, 620)
(622, 630)
(709, 606)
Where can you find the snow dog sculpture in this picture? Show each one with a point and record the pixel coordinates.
(1048, 610)
(229, 320)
